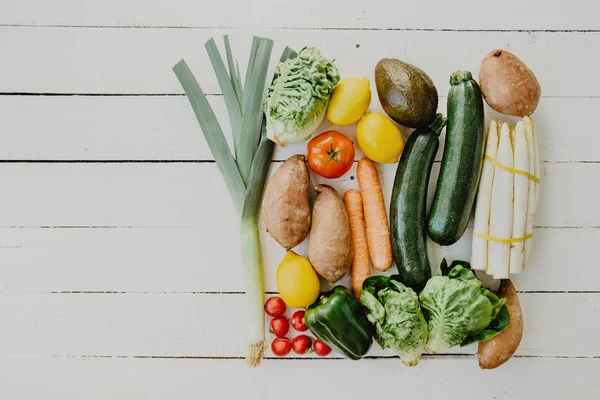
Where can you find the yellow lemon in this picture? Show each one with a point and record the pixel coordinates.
(297, 281)
(379, 138)
(349, 101)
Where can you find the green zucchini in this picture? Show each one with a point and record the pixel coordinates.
(462, 161)
(408, 209)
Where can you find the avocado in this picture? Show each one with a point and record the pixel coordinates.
(406, 93)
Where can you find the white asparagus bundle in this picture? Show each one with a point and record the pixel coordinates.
(520, 198)
(501, 208)
(534, 169)
(479, 255)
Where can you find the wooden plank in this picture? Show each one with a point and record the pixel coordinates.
(183, 260)
(120, 379)
(203, 325)
(381, 14)
(189, 195)
(125, 379)
(164, 128)
(82, 60)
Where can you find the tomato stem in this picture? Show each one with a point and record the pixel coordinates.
(333, 154)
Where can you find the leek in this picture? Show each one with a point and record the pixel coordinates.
(212, 133)
(252, 108)
(251, 254)
(246, 173)
(228, 87)
(234, 71)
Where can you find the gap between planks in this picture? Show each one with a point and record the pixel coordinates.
(288, 28)
(199, 226)
(333, 358)
(71, 94)
(269, 293)
(191, 161)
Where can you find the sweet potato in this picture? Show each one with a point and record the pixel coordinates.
(285, 207)
(329, 243)
(508, 85)
(499, 349)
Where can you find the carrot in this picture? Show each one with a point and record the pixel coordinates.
(361, 266)
(378, 229)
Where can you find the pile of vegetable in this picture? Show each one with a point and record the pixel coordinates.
(411, 312)
(280, 326)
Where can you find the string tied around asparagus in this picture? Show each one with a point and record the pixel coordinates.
(511, 169)
(503, 240)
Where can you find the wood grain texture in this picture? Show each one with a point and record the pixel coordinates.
(193, 194)
(210, 325)
(127, 378)
(183, 260)
(378, 14)
(139, 61)
(120, 275)
(164, 128)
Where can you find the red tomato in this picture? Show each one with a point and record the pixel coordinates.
(280, 326)
(301, 344)
(321, 349)
(298, 321)
(330, 154)
(281, 347)
(275, 306)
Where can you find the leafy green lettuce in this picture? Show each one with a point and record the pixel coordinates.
(298, 98)
(459, 310)
(396, 314)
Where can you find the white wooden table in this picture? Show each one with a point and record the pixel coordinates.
(120, 275)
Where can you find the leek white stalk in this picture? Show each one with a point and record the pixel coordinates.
(251, 253)
(501, 209)
(479, 255)
(250, 240)
(532, 197)
(521, 192)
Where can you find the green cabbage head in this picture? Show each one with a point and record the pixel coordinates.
(298, 98)
(395, 311)
(459, 310)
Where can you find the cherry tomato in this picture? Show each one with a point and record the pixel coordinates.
(330, 154)
(321, 349)
(280, 326)
(281, 347)
(298, 321)
(301, 344)
(275, 306)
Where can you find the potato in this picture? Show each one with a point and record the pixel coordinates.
(329, 243)
(285, 207)
(508, 85)
(500, 348)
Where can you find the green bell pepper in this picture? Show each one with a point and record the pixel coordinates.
(338, 319)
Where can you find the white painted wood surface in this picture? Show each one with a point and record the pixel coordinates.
(120, 275)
